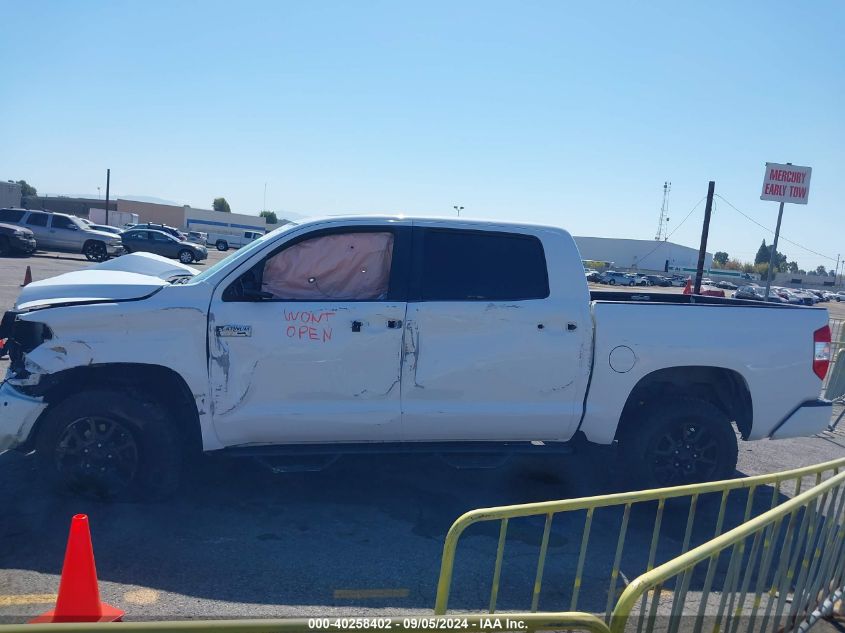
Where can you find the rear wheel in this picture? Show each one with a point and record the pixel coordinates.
(222, 245)
(612, 282)
(109, 444)
(679, 441)
(186, 256)
(95, 251)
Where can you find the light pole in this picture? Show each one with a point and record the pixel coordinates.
(458, 209)
(99, 195)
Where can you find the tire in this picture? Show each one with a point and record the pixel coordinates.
(95, 251)
(612, 282)
(678, 441)
(138, 453)
(5, 249)
(222, 245)
(186, 256)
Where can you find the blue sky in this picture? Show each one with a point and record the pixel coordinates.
(565, 113)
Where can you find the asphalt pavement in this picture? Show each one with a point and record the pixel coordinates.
(361, 537)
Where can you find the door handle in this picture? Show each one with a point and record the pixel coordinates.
(572, 326)
(356, 326)
(394, 324)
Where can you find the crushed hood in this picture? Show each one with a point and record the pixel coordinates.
(133, 276)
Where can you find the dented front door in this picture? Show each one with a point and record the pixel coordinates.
(306, 372)
(291, 367)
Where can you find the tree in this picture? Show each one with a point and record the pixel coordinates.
(792, 267)
(220, 204)
(270, 215)
(762, 256)
(821, 271)
(27, 189)
(721, 258)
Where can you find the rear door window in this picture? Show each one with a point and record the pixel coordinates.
(481, 266)
(11, 215)
(37, 219)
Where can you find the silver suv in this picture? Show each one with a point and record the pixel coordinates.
(62, 232)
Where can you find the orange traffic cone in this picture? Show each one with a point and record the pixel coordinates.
(79, 595)
(27, 277)
(688, 287)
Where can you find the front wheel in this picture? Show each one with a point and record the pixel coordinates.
(186, 256)
(5, 248)
(95, 252)
(612, 282)
(678, 441)
(222, 245)
(109, 444)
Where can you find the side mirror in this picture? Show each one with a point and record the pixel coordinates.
(73, 227)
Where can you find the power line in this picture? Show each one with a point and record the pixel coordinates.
(663, 241)
(748, 217)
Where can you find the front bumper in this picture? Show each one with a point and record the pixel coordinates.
(808, 419)
(22, 244)
(114, 251)
(18, 413)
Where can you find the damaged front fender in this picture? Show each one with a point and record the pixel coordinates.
(18, 413)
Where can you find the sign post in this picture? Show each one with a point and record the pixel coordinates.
(783, 183)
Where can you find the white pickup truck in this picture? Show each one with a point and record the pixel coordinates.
(394, 334)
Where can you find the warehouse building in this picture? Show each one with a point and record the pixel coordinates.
(187, 218)
(10, 194)
(646, 255)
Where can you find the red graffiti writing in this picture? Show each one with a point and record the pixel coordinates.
(304, 332)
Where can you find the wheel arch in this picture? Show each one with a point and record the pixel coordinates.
(161, 383)
(724, 388)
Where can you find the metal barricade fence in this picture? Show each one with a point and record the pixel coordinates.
(706, 511)
(837, 356)
(777, 572)
(518, 622)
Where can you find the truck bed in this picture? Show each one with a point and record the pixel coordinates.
(634, 296)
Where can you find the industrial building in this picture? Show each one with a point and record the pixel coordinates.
(10, 194)
(646, 255)
(187, 218)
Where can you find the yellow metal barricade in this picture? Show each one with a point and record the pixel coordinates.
(518, 622)
(776, 573)
(746, 498)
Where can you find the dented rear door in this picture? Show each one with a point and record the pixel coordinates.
(300, 368)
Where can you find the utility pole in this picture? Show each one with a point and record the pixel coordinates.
(836, 271)
(705, 230)
(108, 182)
(458, 209)
(769, 273)
(264, 206)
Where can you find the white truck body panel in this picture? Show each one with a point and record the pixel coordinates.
(270, 372)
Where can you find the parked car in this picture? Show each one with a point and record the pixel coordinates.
(162, 227)
(839, 296)
(198, 237)
(659, 280)
(63, 232)
(679, 281)
(615, 278)
(756, 293)
(225, 241)
(726, 285)
(592, 276)
(142, 240)
(289, 346)
(16, 240)
(640, 280)
(106, 228)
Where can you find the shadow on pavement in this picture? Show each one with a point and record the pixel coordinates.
(236, 532)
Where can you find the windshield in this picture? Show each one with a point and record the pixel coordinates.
(241, 253)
